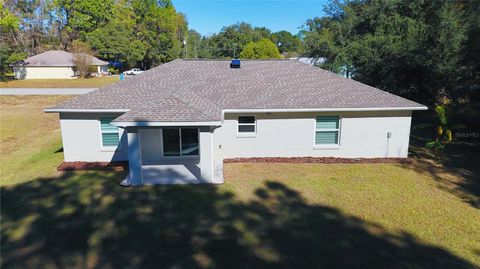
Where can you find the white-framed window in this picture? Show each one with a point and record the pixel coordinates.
(246, 125)
(327, 131)
(110, 133)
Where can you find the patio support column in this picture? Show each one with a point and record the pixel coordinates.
(134, 156)
(206, 154)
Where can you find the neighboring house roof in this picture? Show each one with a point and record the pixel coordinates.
(56, 58)
(309, 60)
(198, 90)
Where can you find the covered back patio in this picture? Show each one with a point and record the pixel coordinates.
(171, 155)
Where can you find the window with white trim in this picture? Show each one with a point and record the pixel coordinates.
(110, 134)
(327, 130)
(246, 124)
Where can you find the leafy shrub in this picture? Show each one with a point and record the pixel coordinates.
(443, 133)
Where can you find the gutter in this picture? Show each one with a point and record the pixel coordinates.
(219, 123)
(323, 109)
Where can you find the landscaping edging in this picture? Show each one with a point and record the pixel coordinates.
(317, 160)
(71, 166)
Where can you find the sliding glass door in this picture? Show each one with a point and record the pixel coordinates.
(189, 141)
(180, 142)
(171, 142)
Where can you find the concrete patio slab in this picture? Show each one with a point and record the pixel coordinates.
(172, 173)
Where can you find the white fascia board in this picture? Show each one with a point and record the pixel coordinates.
(323, 109)
(168, 124)
(54, 110)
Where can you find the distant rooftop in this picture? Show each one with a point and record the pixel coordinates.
(309, 60)
(57, 58)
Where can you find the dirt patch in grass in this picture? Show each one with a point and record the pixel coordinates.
(95, 82)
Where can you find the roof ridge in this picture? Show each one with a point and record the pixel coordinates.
(193, 92)
(228, 60)
(199, 96)
(190, 106)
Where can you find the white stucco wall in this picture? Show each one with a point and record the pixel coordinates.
(82, 139)
(206, 154)
(362, 134)
(42, 72)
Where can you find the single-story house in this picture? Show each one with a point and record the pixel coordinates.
(53, 64)
(178, 122)
(309, 60)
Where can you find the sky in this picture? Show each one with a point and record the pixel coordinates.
(209, 16)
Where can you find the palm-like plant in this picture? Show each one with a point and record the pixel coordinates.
(443, 133)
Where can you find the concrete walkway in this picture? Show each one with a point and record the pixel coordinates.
(45, 91)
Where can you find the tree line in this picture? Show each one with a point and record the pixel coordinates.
(232, 40)
(129, 32)
(428, 51)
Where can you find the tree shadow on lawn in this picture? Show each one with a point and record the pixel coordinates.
(85, 220)
(460, 159)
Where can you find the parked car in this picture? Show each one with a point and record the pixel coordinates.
(134, 71)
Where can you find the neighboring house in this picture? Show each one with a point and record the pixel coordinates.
(177, 122)
(309, 60)
(53, 64)
(344, 71)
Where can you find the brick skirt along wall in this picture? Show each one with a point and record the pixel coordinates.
(317, 160)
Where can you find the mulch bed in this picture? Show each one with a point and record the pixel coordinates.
(317, 160)
(122, 166)
(113, 166)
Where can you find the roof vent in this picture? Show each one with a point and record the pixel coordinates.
(235, 63)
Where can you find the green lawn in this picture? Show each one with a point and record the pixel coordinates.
(29, 138)
(420, 215)
(94, 82)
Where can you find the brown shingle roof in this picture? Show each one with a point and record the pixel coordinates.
(198, 90)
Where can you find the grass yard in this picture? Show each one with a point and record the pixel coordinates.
(420, 215)
(29, 138)
(94, 82)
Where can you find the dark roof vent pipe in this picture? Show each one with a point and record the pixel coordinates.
(235, 63)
